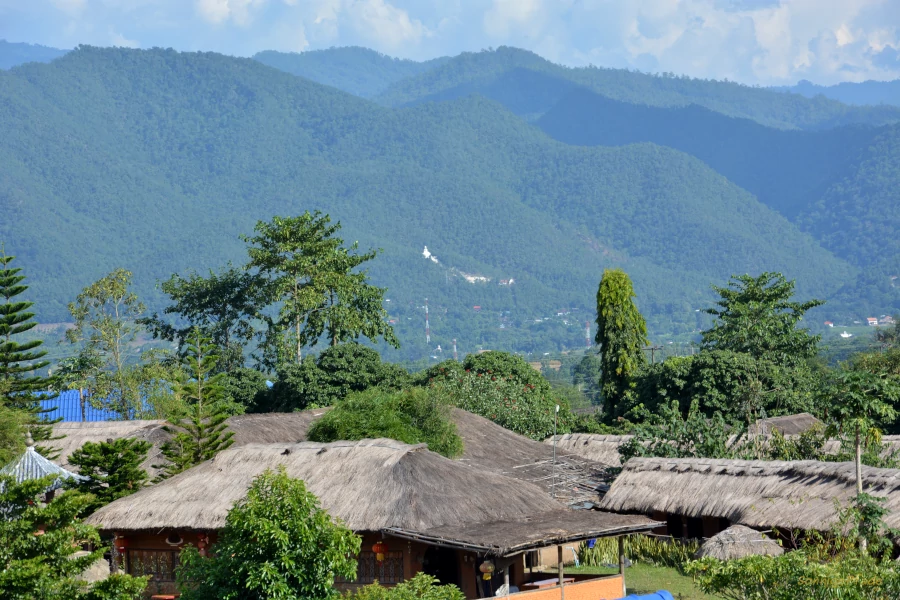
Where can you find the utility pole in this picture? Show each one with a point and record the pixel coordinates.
(652, 350)
(427, 326)
(455, 356)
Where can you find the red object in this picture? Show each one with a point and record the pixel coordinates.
(121, 543)
(380, 548)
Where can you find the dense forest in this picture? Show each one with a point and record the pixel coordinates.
(157, 161)
(861, 94)
(13, 54)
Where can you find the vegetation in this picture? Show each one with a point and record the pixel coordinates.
(645, 549)
(113, 469)
(420, 587)
(412, 416)
(277, 543)
(40, 547)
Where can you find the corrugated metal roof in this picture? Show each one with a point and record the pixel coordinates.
(67, 406)
(32, 465)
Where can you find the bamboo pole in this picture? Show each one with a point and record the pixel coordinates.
(562, 590)
(622, 563)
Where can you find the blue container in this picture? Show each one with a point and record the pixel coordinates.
(660, 595)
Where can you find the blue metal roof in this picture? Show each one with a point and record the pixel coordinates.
(32, 465)
(67, 406)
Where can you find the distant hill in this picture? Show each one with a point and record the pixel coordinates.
(156, 161)
(861, 94)
(483, 73)
(13, 54)
(355, 70)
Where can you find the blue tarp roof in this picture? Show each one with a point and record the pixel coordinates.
(67, 406)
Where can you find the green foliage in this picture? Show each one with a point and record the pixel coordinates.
(586, 377)
(39, 542)
(277, 544)
(13, 424)
(200, 431)
(19, 360)
(622, 335)
(222, 305)
(525, 409)
(795, 575)
(421, 587)
(335, 373)
(413, 416)
(756, 316)
(113, 469)
(305, 269)
(245, 387)
(651, 550)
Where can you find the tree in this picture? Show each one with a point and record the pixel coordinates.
(113, 469)
(40, 545)
(421, 587)
(247, 388)
(622, 335)
(861, 403)
(105, 314)
(306, 269)
(201, 432)
(504, 365)
(412, 416)
(222, 305)
(19, 360)
(756, 316)
(80, 372)
(277, 543)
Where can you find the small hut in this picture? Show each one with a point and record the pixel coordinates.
(599, 448)
(31, 465)
(738, 542)
(787, 425)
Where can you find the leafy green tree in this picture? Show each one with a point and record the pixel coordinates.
(622, 335)
(19, 360)
(13, 425)
(306, 269)
(105, 314)
(40, 556)
(222, 305)
(756, 316)
(861, 403)
(80, 372)
(413, 416)
(277, 543)
(247, 388)
(335, 373)
(504, 365)
(200, 432)
(113, 469)
(586, 377)
(421, 587)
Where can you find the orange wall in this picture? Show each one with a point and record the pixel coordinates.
(601, 588)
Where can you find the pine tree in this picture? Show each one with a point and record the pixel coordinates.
(622, 335)
(113, 469)
(201, 432)
(18, 386)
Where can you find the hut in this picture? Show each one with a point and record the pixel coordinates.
(599, 448)
(31, 465)
(738, 542)
(787, 425)
(436, 515)
(699, 497)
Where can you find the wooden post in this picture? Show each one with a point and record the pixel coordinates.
(562, 590)
(506, 580)
(622, 564)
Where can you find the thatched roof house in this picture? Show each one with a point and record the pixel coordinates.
(786, 425)
(600, 448)
(487, 447)
(761, 494)
(738, 542)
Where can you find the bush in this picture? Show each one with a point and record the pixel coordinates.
(420, 587)
(651, 550)
(412, 416)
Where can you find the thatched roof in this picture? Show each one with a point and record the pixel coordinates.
(487, 448)
(762, 494)
(505, 538)
(786, 425)
(370, 485)
(599, 448)
(738, 542)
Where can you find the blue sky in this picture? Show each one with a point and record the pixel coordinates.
(762, 42)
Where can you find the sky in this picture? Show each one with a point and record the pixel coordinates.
(764, 42)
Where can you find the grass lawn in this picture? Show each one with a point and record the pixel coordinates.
(645, 579)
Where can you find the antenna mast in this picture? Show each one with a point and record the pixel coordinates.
(427, 326)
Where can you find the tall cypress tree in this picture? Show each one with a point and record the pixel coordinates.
(18, 361)
(622, 335)
(201, 432)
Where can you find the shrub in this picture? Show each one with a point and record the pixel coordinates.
(420, 587)
(651, 550)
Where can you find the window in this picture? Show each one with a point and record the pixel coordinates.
(390, 570)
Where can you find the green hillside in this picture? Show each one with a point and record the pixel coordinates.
(862, 93)
(480, 72)
(156, 161)
(13, 54)
(356, 70)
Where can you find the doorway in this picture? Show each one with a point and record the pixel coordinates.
(441, 563)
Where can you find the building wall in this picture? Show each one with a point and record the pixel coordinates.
(600, 588)
(150, 554)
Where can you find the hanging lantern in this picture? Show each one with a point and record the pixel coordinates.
(486, 568)
(174, 539)
(380, 548)
(121, 543)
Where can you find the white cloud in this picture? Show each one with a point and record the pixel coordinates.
(384, 24)
(117, 39)
(219, 11)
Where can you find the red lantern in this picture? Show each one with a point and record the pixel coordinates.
(380, 548)
(121, 543)
(486, 568)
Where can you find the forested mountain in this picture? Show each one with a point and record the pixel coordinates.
(12, 54)
(484, 72)
(156, 161)
(356, 70)
(861, 94)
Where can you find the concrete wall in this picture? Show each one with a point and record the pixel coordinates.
(599, 588)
